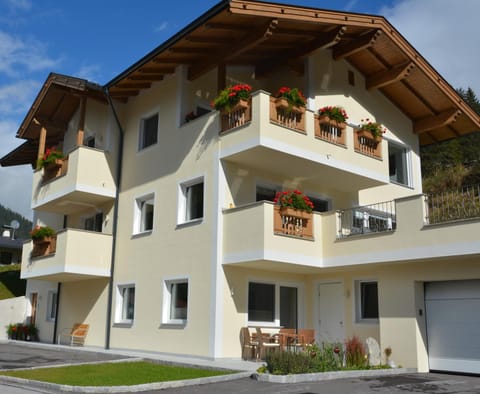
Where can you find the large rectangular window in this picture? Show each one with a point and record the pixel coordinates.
(125, 304)
(266, 193)
(261, 302)
(191, 202)
(398, 164)
(367, 301)
(176, 301)
(148, 132)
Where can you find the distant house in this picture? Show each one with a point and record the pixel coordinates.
(10, 249)
(168, 237)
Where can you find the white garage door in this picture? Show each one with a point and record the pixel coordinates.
(453, 325)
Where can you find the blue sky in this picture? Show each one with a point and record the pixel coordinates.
(99, 39)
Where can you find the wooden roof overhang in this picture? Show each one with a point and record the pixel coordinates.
(53, 108)
(268, 35)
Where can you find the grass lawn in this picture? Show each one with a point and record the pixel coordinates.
(113, 374)
(10, 283)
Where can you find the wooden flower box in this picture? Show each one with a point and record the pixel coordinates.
(44, 246)
(366, 143)
(293, 222)
(239, 115)
(330, 130)
(285, 115)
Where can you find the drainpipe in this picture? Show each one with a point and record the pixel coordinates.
(57, 307)
(115, 220)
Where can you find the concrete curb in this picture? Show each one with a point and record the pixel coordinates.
(317, 377)
(25, 383)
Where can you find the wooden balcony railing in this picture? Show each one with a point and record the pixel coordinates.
(330, 131)
(55, 169)
(290, 117)
(366, 144)
(289, 221)
(238, 116)
(45, 246)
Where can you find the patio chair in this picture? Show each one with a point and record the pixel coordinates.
(306, 338)
(76, 334)
(249, 345)
(267, 343)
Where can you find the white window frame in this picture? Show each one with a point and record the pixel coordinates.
(167, 301)
(408, 163)
(120, 304)
(183, 200)
(278, 285)
(52, 307)
(141, 130)
(139, 214)
(358, 302)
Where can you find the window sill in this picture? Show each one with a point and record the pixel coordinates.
(368, 322)
(190, 223)
(176, 325)
(142, 234)
(123, 324)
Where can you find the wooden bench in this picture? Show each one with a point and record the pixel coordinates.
(76, 334)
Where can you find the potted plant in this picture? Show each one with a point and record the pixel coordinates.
(290, 100)
(232, 98)
(42, 234)
(334, 115)
(12, 331)
(293, 203)
(52, 159)
(369, 129)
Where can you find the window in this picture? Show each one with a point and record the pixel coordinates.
(191, 201)
(125, 304)
(266, 193)
(398, 164)
(367, 301)
(319, 204)
(148, 132)
(94, 223)
(176, 301)
(143, 217)
(261, 302)
(52, 305)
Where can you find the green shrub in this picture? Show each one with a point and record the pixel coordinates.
(285, 363)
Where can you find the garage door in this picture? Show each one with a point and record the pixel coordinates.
(453, 325)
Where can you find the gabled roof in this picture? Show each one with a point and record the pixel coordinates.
(266, 35)
(53, 108)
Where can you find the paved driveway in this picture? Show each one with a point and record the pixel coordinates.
(13, 355)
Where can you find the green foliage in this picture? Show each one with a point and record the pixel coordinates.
(229, 97)
(294, 96)
(355, 355)
(113, 374)
(40, 232)
(7, 215)
(293, 199)
(22, 332)
(51, 154)
(10, 283)
(374, 128)
(335, 113)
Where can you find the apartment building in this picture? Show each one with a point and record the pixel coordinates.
(167, 238)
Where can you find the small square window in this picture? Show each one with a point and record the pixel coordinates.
(143, 216)
(125, 304)
(148, 132)
(191, 201)
(52, 305)
(176, 301)
(367, 301)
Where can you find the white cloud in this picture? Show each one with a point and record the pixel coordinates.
(19, 4)
(17, 97)
(91, 72)
(16, 189)
(16, 52)
(163, 26)
(444, 32)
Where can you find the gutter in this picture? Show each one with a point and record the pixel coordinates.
(115, 219)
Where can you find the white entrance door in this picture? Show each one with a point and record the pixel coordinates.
(330, 312)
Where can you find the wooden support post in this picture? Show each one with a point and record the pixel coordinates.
(81, 121)
(41, 144)
(221, 77)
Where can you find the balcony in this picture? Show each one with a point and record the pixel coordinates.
(257, 235)
(84, 179)
(76, 255)
(265, 138)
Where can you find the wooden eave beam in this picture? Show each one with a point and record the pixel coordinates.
(387, 77)
(323, 41)
(123, 93)
(223, 26)
(148, 77)
(208, 40)
(133, 85)
(363, 42)
(192, 50)
(244, 45)
(157, 70)
(436, 121)
(49, 124)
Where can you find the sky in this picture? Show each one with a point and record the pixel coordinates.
(97, 40)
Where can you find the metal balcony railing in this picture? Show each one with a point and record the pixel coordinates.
(367, 219)
(459, 204)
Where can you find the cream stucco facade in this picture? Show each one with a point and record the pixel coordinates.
(161, 245)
